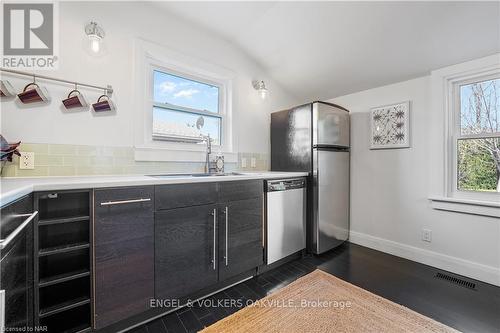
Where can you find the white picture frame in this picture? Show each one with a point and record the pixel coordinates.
(390, 126)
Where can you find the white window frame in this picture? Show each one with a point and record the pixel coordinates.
(221, 114)
(150, 56)
(443, 130)
(456, 134)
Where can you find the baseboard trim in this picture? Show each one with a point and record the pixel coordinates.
(485, 273)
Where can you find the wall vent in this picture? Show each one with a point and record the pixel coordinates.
(458, 281)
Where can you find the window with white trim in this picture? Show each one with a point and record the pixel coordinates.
(186, 108)
(476, 135)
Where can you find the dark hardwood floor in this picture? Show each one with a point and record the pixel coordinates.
(402, 281)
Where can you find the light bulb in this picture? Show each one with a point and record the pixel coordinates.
(95, 36)
(95, 43)
(260, 86)
(263, 93)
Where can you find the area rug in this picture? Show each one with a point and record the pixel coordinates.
(320, 302)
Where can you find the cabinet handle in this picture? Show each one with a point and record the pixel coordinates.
(214, 214)
(226, 257)
(111, 203)
(12, 235)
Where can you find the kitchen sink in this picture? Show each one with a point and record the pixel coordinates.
(182, 175)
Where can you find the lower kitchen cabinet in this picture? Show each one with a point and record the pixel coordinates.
(201, 244)
(185, 250)
(16, 264)
(124, 252)
(16, 282)
(240, 236)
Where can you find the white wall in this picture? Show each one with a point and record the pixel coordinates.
(390, 190)
(123, 22)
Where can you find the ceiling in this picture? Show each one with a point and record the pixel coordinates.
(321, 50)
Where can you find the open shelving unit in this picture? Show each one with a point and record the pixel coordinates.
(63, 269)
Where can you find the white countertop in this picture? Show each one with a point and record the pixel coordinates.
(14, 188)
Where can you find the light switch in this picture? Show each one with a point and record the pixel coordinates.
(243, 162)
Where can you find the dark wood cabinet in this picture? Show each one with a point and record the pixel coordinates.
(124, 252)
(188, 239)
(240, 236)
(240, 227)
(16, 265)
(16, 284)
(185, 250)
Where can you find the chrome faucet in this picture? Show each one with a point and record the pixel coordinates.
(209, 151)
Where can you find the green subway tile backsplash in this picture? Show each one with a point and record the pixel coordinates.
(80, 160)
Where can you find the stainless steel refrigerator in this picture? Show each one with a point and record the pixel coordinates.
(315, 138)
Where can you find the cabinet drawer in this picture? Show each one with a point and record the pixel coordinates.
(124, 197)
(240, 190)
(185, 195)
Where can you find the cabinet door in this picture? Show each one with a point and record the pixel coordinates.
(16, 284)
(185, 247)
(16, 265)
(241, 238)
(124, 253)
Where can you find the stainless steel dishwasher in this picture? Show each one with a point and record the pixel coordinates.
(285, 217)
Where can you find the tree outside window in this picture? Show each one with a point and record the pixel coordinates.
(478, 145)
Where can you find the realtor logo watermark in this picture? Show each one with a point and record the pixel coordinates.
(29, 35)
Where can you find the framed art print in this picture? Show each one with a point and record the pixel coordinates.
(390, 126)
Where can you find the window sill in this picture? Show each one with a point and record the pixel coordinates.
(155, 154)
(467, 206)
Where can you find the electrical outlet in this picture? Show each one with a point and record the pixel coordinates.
(253, 162)
(243, 162)
(427, 235)
(27, 160)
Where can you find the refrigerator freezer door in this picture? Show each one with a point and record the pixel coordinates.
(331, 199)
(330, 126)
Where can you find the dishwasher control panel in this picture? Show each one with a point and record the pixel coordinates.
(285, 184)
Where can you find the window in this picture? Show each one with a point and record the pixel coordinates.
(185, 109)
(477, 135)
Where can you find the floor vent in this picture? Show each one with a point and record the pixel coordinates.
(455, 280)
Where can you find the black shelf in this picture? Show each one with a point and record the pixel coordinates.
(61, 205)
(63, 278)
(63, 234)
(64, 306)
(63, 220)
(83, 328)
(63, 256)
(73, 320)
(63, 263)
(63, 249)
